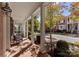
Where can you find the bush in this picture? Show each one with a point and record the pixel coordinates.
(62, 49)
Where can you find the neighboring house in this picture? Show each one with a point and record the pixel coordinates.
(69, 25)
(61, 25)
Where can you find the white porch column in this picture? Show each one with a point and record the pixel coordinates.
(4, 33)
(24, 28)
(32, 28)
(27, 28)
(78, 28)
(42, 28)
(8, 30)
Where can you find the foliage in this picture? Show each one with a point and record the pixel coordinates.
(62, 49)
(29, 25)
(36, 23)
(53, 16)
(75, 4)
(74, 11)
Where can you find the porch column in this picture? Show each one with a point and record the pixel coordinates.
(2, 45)
(4, 32)
(27, 28)
(6, 25)
(7, 30)
(32, 28)
(42, 28)
(24, 28)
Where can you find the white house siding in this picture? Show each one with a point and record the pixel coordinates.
(61, 27)
(72, 24)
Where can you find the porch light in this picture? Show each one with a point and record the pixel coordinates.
(6, 8)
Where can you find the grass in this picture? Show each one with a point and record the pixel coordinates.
(75, 53)
(75, 44)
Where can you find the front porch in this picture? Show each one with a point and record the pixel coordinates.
(7, 30)
(20, 37)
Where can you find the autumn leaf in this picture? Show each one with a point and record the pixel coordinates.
(75, 4)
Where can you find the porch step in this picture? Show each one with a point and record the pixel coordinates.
(22, 50)
(19, 49)
(13, 44)
(31, 51)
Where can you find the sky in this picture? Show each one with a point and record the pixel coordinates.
(65, 13)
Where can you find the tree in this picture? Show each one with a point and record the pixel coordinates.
(52, 18)
(75, 4)
(74, 11)
(74, 14)
(53, 15)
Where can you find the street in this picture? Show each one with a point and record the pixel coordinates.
(63, 37)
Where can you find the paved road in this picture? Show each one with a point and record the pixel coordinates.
(63, 37)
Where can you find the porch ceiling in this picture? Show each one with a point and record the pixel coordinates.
(22, 10)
